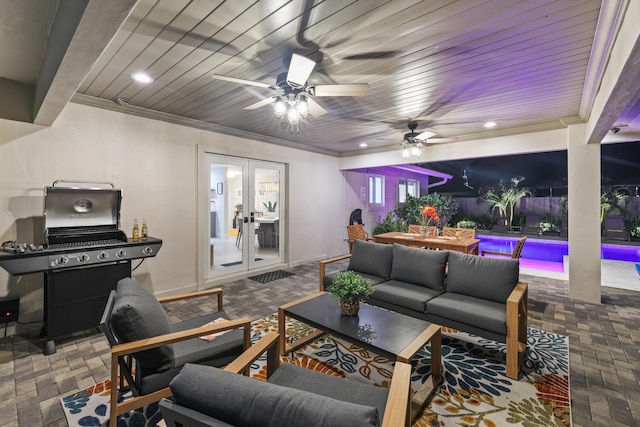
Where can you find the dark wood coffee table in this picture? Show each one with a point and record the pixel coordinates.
(390, 334)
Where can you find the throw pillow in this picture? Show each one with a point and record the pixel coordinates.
(482, 277)
(419, 266)
(371, 258)
(136, 315)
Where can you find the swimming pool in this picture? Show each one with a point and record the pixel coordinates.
(548, 254)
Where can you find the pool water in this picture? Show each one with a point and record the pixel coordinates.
(548, 254)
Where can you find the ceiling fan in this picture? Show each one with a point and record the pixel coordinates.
(293, 95)
(413, 141)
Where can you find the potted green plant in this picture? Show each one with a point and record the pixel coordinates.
(350, 288)
(270, 207)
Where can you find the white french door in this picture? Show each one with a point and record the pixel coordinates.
(246, 219)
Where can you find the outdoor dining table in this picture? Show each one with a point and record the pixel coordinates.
(467, 246)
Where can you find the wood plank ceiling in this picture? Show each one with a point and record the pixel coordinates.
(452, 65)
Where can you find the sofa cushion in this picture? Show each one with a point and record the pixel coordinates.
(371, 258)
(137, 314)
(327, 280)
(492, 279)
(242, 401)
(478, 312)
(419, 266)
(408, 295)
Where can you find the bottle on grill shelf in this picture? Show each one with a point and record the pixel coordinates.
(144, 234)
(136, 231)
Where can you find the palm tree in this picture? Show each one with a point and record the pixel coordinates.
(610, 198)
(505, 196)
(495, 200)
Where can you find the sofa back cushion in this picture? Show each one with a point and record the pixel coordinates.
(137, 314)
(371, 258)
(422, 267)
(242, 401)
(492, 279)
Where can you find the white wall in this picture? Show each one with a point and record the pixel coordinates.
(356, 180)
(155, 165)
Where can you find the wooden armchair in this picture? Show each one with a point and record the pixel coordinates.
(292, 395)
(467, 233)
(147, 352)
(417, 228)
(517, 250)
(356, 232)
(517, 324)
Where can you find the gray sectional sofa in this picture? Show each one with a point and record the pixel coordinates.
(470, 293)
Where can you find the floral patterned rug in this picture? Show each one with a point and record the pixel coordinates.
(474, 392)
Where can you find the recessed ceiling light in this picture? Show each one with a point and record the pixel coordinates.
(141, 77)
(364, 144)
(490, 125)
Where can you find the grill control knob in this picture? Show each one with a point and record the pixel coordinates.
(103, 255)
(62, 260)
(121, 253)
(83, 258)
(147, 250)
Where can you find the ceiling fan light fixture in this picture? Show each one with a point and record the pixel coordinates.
(293, 116)
(280, 108)
(302, 106)
(299, 71)
(411, 149)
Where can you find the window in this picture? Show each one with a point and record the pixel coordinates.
(376, 191)
(408, 187)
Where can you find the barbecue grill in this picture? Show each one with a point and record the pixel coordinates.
(84, 255)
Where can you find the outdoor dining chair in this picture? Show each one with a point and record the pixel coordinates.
(517, 250)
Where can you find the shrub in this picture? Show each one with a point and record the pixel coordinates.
(388, 224)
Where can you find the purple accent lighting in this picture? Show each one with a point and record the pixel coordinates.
(548, 254)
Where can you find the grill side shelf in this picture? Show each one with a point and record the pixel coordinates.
(65, 256)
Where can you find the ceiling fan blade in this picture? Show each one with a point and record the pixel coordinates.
(259, 104)
(439, 140)
(425, 135)
(300, 69)
(355, 89)
(315, 109)
(383, 54)
(242, 81)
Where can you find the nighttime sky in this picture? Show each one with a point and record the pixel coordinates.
(620, 165)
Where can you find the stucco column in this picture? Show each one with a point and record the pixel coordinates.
(583, 170)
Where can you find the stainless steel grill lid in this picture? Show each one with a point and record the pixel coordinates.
(81, 208)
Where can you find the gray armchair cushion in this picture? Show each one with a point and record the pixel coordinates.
(492, 279)
(371, 258)
(137, 314)
(419, 266)
(245, 402)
